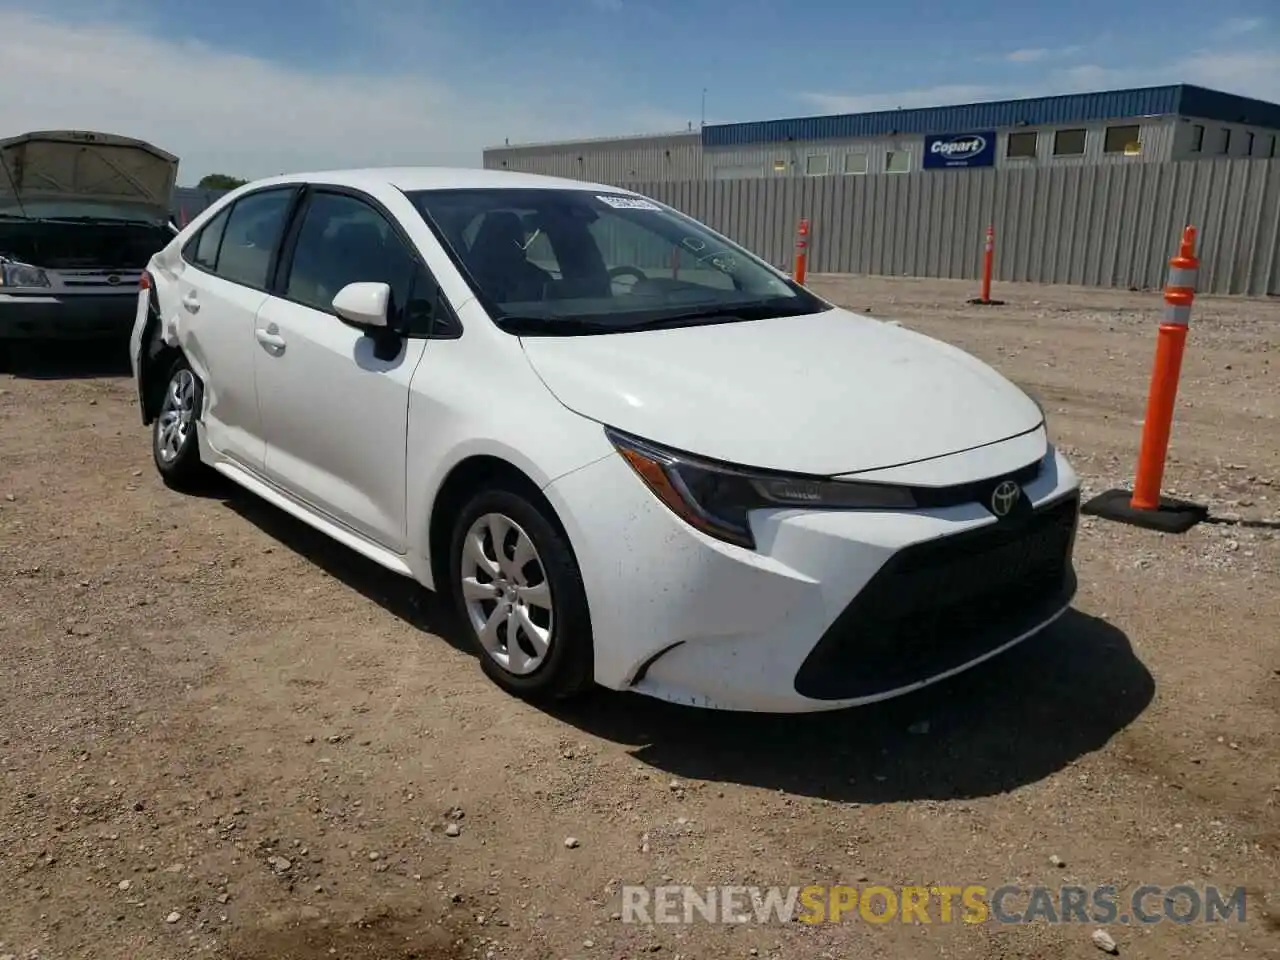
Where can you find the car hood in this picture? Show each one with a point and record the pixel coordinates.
(81, 165)
(824, 394)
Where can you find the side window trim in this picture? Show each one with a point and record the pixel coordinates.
(281, 267)
(290, 213)
(278, 273)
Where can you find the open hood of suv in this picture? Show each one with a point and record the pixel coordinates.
(84, 166)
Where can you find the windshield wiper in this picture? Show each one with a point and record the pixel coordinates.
(724, 313)
(553, 326)
(130, 220)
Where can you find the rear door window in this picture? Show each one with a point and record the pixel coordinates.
(252, 234)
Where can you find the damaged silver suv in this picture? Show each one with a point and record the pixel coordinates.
(81, 213)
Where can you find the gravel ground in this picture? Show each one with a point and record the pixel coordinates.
(222, 736)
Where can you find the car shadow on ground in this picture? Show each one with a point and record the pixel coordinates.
(1016, 719)
(65, 360)
(399, 596)
(1006, 723)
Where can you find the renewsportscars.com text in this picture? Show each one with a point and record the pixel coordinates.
(967, 903)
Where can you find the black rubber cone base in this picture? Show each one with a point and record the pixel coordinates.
(1172, 516)
(978, 301)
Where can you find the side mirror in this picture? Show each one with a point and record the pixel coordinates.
(363, 305)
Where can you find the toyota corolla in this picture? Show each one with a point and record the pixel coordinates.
(631, 452)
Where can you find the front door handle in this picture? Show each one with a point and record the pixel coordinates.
(272, 341)
(191, 302)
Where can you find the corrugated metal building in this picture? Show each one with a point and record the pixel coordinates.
(663, 156)
(1143, 125)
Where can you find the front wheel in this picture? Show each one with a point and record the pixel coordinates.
(174, 444)
(519, 591)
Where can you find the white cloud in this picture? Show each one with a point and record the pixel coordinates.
(1027, 56)
(1248, 73)
(905, 99)
(1039, 54)
(224, 112)
(1251, 74)
(1239, 26)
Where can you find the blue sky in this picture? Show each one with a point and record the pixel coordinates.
(251, 86)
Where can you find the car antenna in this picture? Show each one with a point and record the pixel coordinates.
(17, 196)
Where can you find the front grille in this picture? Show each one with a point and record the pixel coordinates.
(126, 280)
(939, 604)
(976, 491)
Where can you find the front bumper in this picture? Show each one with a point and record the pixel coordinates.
(834, 609)
(67, 317)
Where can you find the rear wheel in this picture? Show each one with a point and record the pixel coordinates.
(174, 442)
(519, 591)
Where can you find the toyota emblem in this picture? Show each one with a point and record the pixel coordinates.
(1004, 497)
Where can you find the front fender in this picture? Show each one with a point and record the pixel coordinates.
(577, 444)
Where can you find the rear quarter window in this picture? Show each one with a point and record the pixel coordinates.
(202, 249)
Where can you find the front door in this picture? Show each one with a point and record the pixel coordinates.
(334, 415)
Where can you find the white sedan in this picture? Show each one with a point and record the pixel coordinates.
(633, 453)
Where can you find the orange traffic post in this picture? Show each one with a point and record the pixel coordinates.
(675, 263)
(182, 217)
(1144, 506)
(988, 266)
(802, 251)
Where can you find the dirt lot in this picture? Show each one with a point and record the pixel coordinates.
(221, 736)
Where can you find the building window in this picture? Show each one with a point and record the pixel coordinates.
(1197, 137)
(779, 166)
(1068, 143)
(1271, 150)
(855, 163)
(1226, 140)
(1248, 144)
(1124, 140)
(897, 161)
(1021, 145)
(816, 165)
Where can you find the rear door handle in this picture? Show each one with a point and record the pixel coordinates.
(272, 341)
(191, 302)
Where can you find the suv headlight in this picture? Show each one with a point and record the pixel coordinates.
(716, 498)
(22, 275)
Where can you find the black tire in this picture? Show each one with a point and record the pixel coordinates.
(567, 669)
(183, 470)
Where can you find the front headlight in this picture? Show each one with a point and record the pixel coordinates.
(22, 275)
(716, 498)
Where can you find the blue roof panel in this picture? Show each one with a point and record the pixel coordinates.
(1228, 107)
(1036, 111)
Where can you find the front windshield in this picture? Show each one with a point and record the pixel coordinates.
(576, 261)
(77, 210)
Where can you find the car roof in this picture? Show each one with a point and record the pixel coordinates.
(439, 178)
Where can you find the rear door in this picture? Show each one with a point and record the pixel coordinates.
(334, 413)
(227, 269)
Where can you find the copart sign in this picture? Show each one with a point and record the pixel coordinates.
(960, 150)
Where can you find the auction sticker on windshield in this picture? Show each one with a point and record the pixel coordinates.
(628, 203)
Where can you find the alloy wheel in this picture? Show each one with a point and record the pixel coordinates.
(508, 599)
(177, 415)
